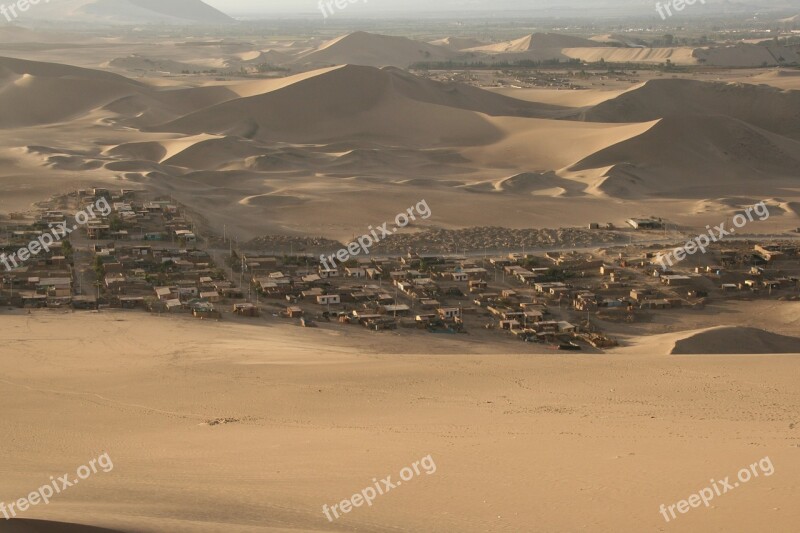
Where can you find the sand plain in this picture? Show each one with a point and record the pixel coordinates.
(521, 442)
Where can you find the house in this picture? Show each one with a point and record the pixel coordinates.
(355, 272)
(173, 305)
(460, 276)
(97, 231)
(164, 293)
(645, 223)
(449, 313)
(312, 293)
(675, 280)
(329, 299)
(115, 281)
(476, 273)
(534, 316)
(56, 287)
(326, 272)
(639, 295)
(661, 303)
(204, 310)
(606, 270)
(131, 302)
(211, 296)
(425, 317)
(566, 327)
(293, 312)
(428, 303)
(769, 252)
(543, 287)
(397, 310)
(245, 309)
(477, 285)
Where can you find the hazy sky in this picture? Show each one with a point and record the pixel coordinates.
(406, 6)
(495, 7)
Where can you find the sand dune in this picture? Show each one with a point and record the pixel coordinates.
(458, 43)
(158, 151)
(691, 155)
(530, 183)
(34, 93)
(261, 57)
(363, 102)
(136, 62)
(679, 56)
(211, 153)
(542, 145)
(537, 41)
(41, 526)
(747, 55)
(320, 412)
(362, 48)
(766, 107)
(734, 340)
(560, 99)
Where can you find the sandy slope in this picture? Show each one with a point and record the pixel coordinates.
(362, 48)
(537, 41)
(732, 340)
(679, 56)
(284, 154)
(361, 102)
(766, 107)
(458, 43)
(599, 442)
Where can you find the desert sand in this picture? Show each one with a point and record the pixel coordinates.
(241, 426)
(282, 153)
(568, 443)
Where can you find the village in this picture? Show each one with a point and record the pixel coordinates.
(148, 256)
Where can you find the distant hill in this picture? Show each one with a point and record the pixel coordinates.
(129, 12)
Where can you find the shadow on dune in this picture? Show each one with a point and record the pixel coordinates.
(43, 526)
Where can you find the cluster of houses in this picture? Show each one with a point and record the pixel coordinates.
(43, 280)
(436, 292)
(137, 218)
(144, 254)
(126, 273)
